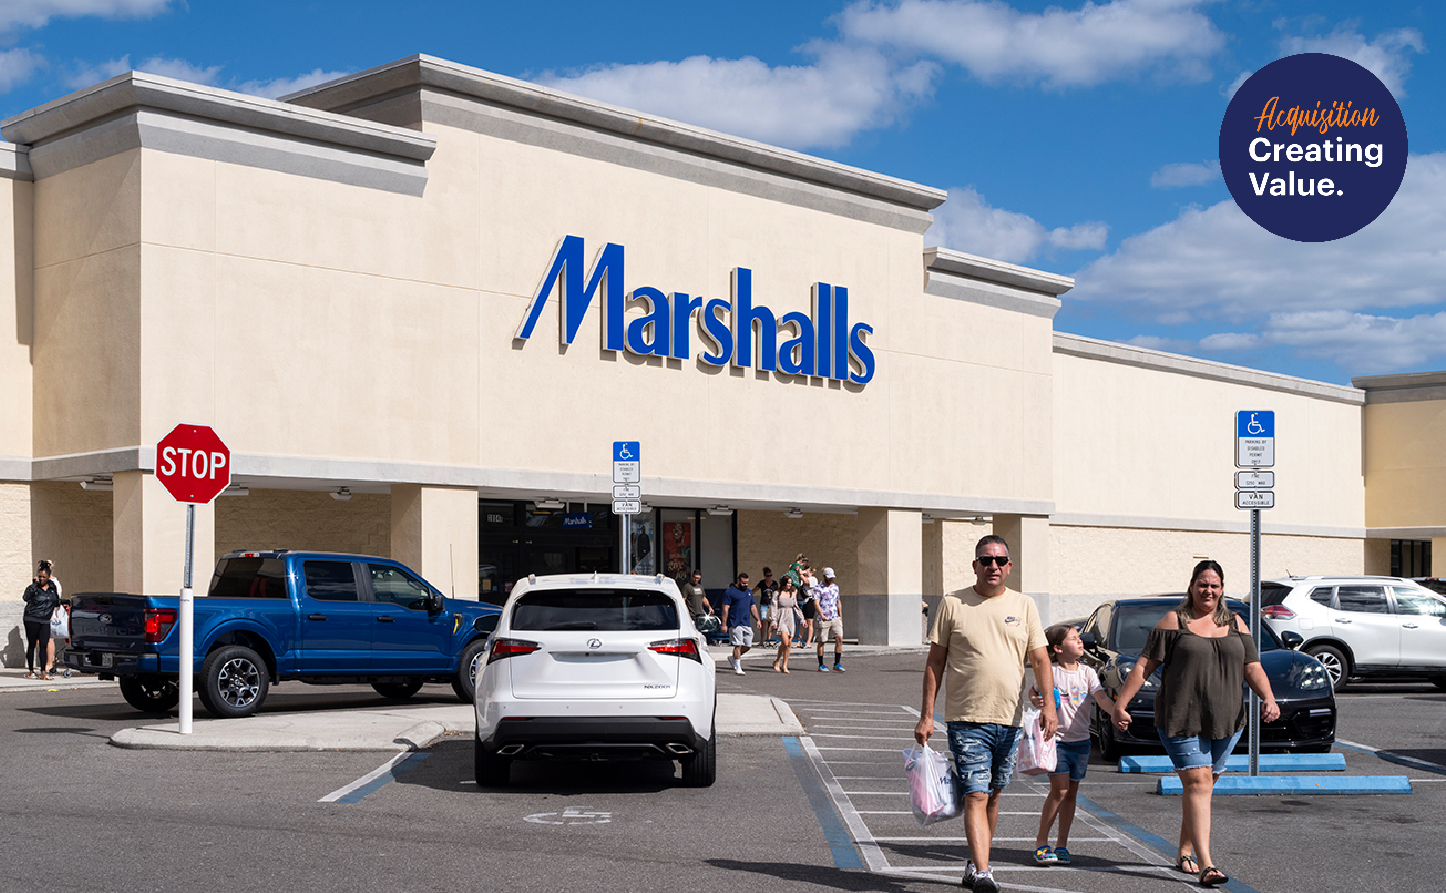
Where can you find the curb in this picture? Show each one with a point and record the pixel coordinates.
(1298, 784)
(1269, 762)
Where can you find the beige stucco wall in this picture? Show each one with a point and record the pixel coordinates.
(303, 519)
(1406, 464)
(72, 527)
(1147, 443)
(15, 546)
(434, 532)
(1091, 564)
(771, 539)
(16, 314)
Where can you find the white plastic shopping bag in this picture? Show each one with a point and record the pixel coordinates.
(932, 785)
(60, 622)
(1037, 754)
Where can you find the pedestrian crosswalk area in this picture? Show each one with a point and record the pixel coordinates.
(857, 751)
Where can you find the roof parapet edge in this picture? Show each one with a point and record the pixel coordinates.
(946, 260)
(1144, 357)
(137, 89)
(422, 71)
(1399, 381)
(15, 162)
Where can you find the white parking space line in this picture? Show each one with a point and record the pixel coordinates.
(370, 777)
(997, 839)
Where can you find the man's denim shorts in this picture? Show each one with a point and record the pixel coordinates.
(1073, 759)
(984, 754)
(1197, 751)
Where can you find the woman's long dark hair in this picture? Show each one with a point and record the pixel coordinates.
(1186, 609)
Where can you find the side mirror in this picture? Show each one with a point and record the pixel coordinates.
(1090, 641)
(486, 624)
(1292, 639)
(434, 603)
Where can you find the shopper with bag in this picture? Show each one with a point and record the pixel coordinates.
(977, 650)
(1073, 684)
(42, 598)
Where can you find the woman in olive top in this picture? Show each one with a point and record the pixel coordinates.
(1199, 711)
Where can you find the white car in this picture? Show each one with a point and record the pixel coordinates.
(1362, 626)
(603, 666)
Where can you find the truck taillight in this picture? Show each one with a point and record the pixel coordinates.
(159, 622)
(510, 648)
(682, 647)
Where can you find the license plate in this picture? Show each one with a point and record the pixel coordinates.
(107, 659)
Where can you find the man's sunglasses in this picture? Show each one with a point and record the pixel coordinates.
(996, 560)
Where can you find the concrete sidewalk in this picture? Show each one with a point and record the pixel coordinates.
(400, 728)
(12, 679)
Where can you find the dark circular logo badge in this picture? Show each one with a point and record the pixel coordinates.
(1313, 147)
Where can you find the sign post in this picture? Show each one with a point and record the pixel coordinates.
(627, 494)
(194, 466)
(1254, 450)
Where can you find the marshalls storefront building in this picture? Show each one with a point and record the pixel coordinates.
(419, 304)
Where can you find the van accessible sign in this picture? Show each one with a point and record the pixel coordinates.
(821, 343)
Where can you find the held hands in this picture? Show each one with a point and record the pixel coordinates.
(1121, 716)
(1036, 700)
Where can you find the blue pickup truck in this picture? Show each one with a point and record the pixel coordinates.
(319, 617)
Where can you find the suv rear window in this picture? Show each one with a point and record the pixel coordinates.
(1273, 593)
(249, 578)
(600, 609)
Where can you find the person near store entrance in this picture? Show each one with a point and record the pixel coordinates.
(765, 590)
(739, 615)
(830, 616)
(694, 595)
(981, 638)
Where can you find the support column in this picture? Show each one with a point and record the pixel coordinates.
(1028, 538)
(149, 538)
(434, 532)
(891, 577)
(1438, 557)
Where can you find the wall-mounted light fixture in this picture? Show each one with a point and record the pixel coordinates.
(236, 490)
(342, 494)
(550, 504)
(720, 510)
(99, 482)
(793, 513)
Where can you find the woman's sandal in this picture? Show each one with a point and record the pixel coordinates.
(1180, 864)
(1220, 877)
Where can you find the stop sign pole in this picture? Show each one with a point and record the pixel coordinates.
(194, 466)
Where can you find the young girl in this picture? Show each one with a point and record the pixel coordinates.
(1074, 684)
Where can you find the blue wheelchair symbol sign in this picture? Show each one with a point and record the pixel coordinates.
(626, 450)
(1255, 424)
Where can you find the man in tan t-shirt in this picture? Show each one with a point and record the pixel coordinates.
(981, 638)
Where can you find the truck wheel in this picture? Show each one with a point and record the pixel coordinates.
(701, 769)
(398, 691)
(489, 769)
(474, 657)
(233, 682)
(150, 694)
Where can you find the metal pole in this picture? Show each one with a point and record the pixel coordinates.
(188, 605)
(622, 544)
(1255, 633)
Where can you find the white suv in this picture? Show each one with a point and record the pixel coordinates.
(1362, 626)
(604, 666)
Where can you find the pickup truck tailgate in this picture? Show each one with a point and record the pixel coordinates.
(115, 622)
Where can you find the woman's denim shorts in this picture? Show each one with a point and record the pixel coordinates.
(1197, 751)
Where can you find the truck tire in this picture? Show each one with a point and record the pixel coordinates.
(234, 682)
(150, 694)
(489, 769)
(398, 691)
(700, 770)
(474, 656)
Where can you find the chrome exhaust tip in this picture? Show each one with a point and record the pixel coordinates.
(681, 750)
(508, 750)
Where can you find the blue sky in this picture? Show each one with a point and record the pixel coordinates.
(1079, 138)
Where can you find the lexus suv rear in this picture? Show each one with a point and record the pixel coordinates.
(596, 667)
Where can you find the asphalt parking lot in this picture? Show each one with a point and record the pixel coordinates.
(822, 811)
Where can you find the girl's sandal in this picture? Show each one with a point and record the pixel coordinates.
(1211, 876)
(1181, 861)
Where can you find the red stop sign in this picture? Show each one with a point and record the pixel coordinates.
(193, 464)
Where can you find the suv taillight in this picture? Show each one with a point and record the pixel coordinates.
(682, 647)
(510, 648)
(1277, 612)
(159, 622)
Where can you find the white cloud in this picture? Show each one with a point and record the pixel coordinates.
(94, 74)
(1385, 56)
(283, 86)
(1330, 300)
(1173, 176)
(1236, 84)
(180, 69)
(16, 67)
(36, 13)
(965, 222)
(1059, 47)
(1217, 263)
(848, 89)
